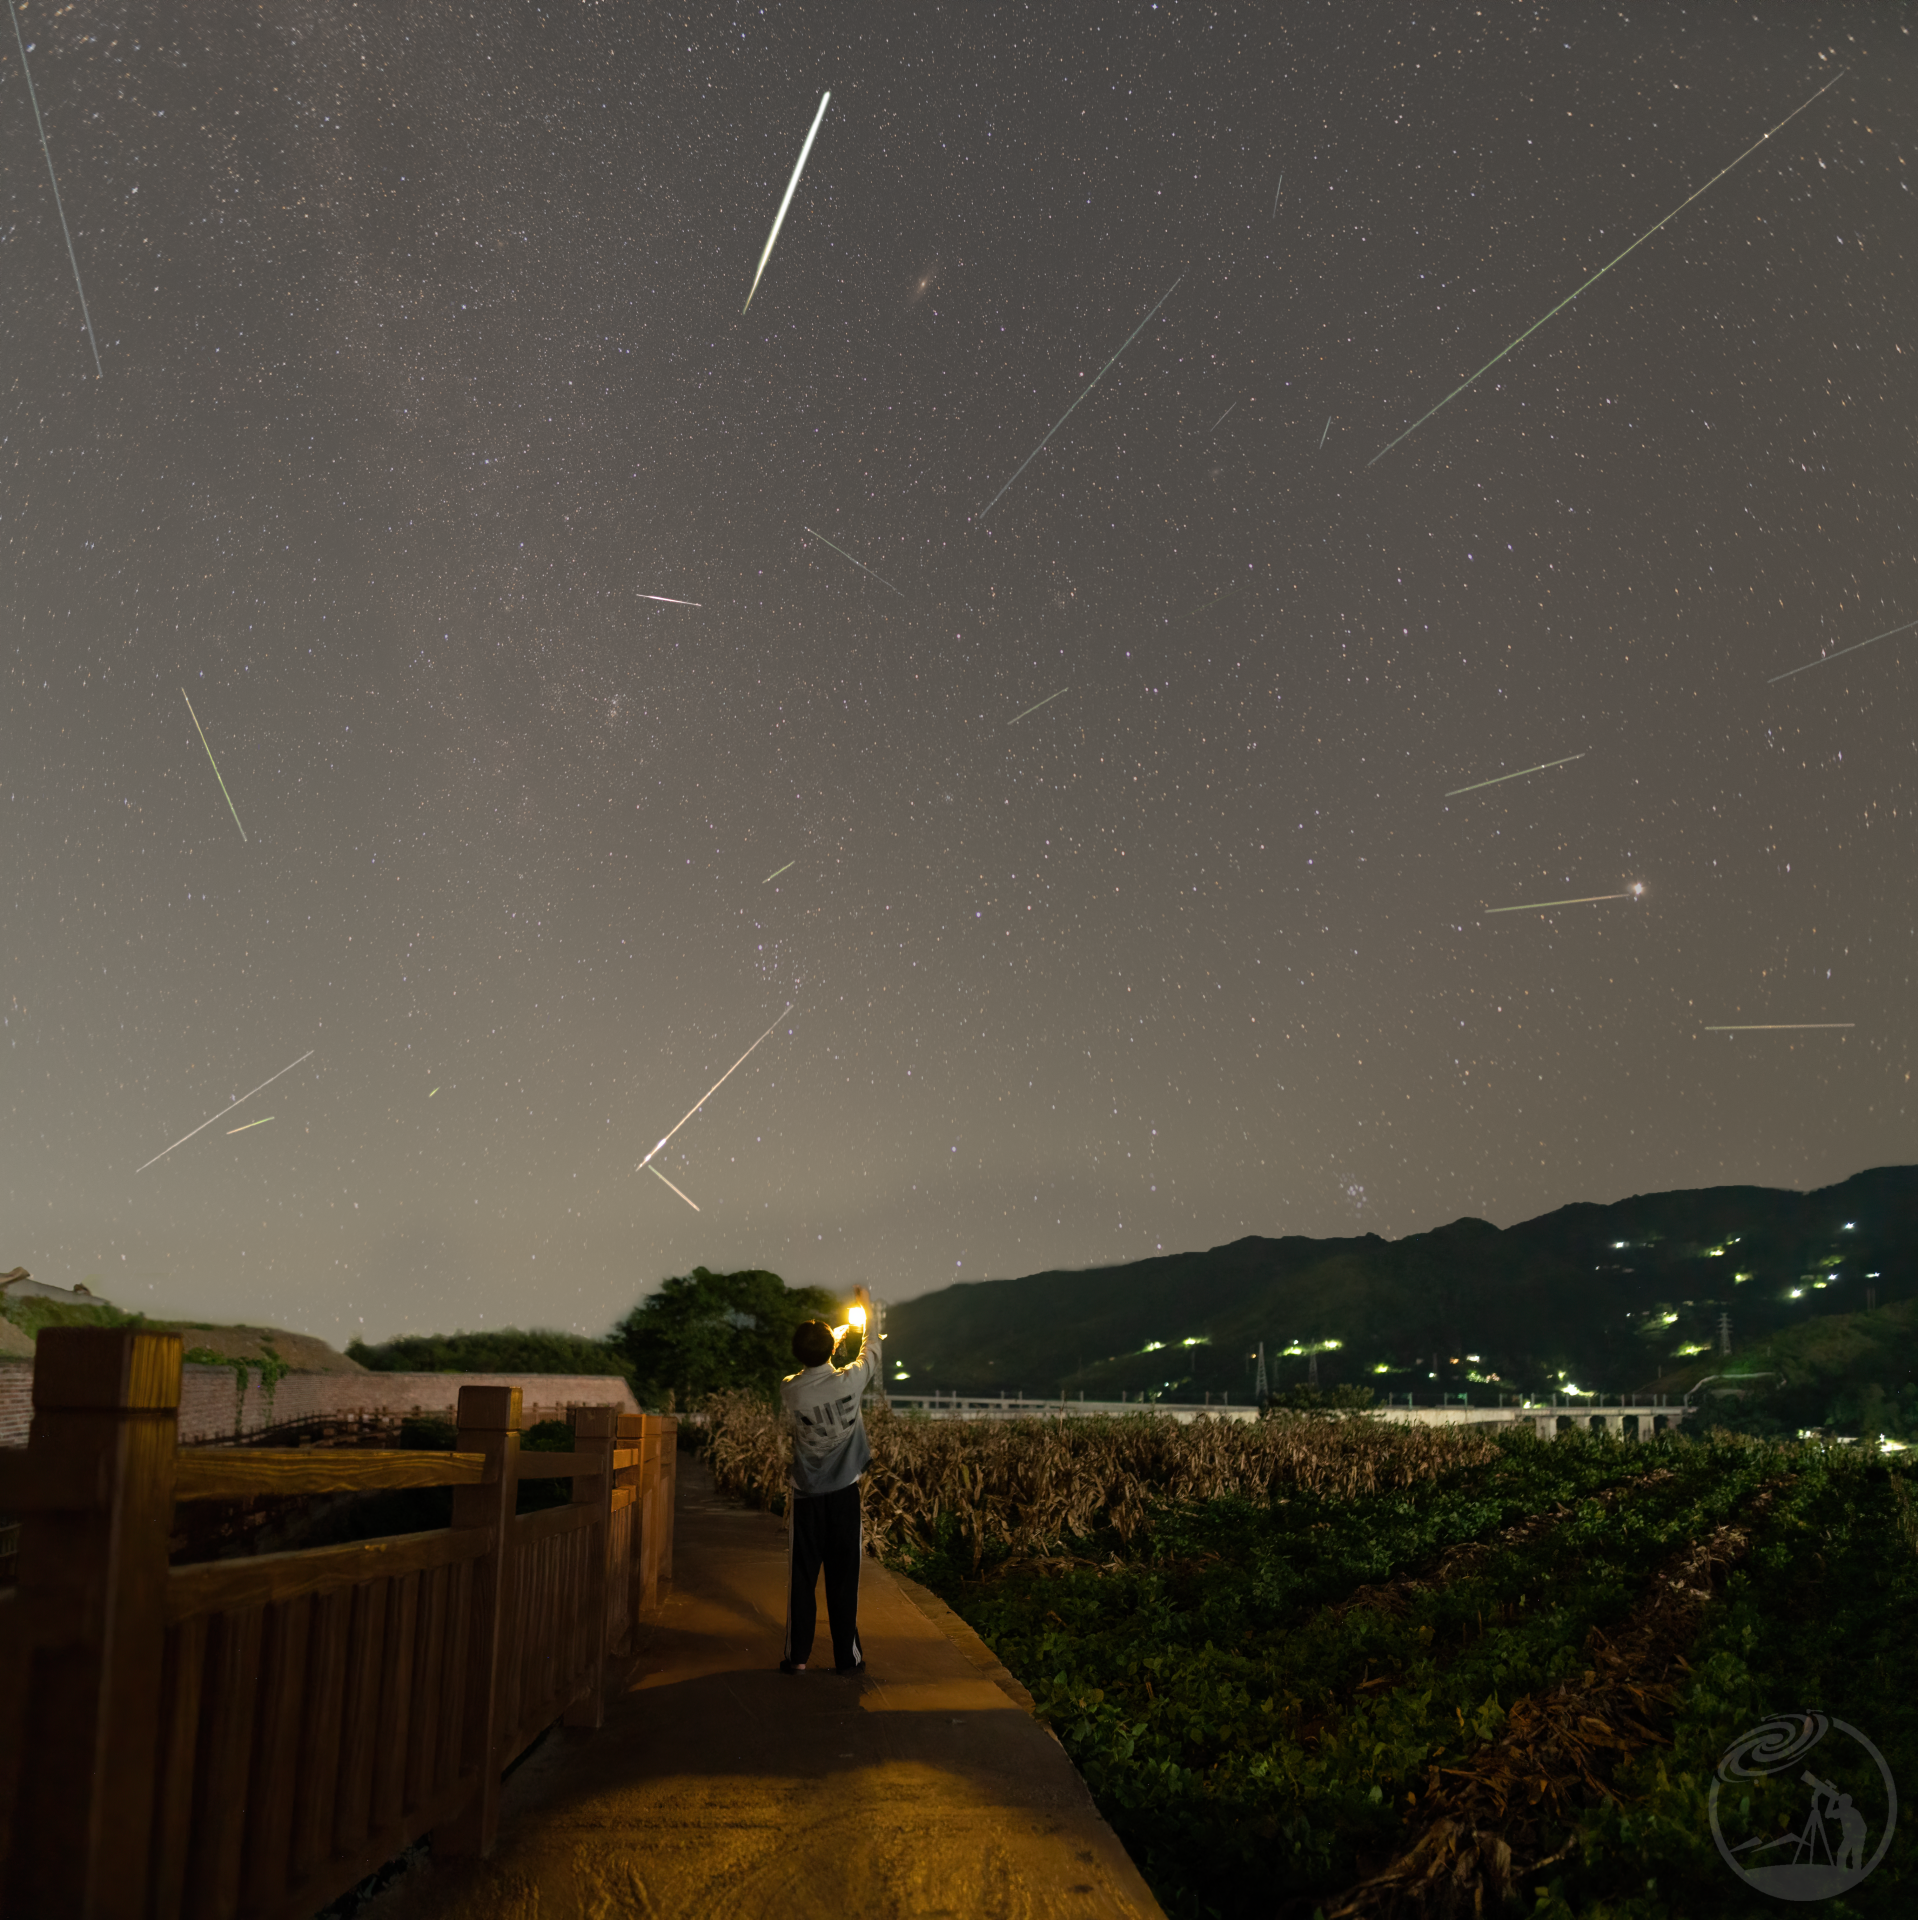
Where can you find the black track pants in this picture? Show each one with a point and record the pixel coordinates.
(824, 1532)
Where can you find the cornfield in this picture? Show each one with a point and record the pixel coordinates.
(1018, 1488)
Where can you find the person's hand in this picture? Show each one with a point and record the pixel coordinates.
(863, 1297)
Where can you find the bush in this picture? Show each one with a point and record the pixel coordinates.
(504, 1350)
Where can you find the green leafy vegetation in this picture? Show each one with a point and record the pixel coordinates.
(1304, 1673)
(501, 1350)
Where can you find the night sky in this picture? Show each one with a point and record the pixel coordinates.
(424, 362)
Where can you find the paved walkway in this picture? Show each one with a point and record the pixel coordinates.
(722, 1787)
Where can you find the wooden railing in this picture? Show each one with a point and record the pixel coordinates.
(251, 1737)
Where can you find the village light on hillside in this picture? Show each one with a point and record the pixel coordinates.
(1152, 1346)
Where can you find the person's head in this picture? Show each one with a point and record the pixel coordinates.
(812, 1343)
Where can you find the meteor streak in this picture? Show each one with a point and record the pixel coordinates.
(1519, 775)
(1276, 191)
(844, 555)
(1036, 705)
(1219, 422)
(1788, 1026)
(228, 1108)
(98, 370)
(231, 1131)
(668, 600)
(792, 186)
(1605, 269)
(1090, 384)
(1328, 429)
(1853, 648)
(430, 1095)
(777, 871)
(201, 731)
(694, 1204)
(1537, 906)
(700, 1102)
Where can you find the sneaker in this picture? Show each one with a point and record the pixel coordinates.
(792, 1666)
(852, 1672)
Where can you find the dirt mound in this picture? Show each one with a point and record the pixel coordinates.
(301, 1351)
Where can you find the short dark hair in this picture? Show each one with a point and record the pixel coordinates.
(813, 1343)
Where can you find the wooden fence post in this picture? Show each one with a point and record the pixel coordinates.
(93, 1591)
(595, 1431)
(488, 1424)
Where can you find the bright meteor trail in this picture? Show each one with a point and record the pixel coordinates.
(1538, 906)
(844, 555)
(99, 371)
(1090, 384)
(1853, 648)
(1604, 270)
(655, 1172)
(231, 1131)
(1037, 704)
(697, 1104)
(792, 187)
(1789, 1026)
(1519, 775)
(774, 875)
(668, 600)
(231, 1104)
(201, 731)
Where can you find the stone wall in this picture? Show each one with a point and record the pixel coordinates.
(208, 1397)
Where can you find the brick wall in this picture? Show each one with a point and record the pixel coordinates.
(208, 1394)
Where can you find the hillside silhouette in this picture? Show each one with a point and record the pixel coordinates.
(1607, 1298)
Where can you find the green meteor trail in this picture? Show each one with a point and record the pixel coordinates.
(1853, 648)
(58, 205)
(1090, 384)
(1538, 906)
(1604, 270)
(1037, 704)
(201, 731)
(1789, 1026)
(231, 1131)
(844, 555)
(777, 871)
(1519, 775)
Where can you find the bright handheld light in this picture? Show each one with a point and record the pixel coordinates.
(858, 1318)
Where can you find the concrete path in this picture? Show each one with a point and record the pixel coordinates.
(721, 1787)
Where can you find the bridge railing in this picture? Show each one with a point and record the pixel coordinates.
(251, 1737)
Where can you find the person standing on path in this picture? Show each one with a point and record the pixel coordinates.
(824, 1526)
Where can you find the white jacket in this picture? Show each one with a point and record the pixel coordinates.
(830, 1449)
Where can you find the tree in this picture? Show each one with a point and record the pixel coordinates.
(704, 1332)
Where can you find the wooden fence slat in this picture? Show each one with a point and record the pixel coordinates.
(669, 1465)
(181, 1697)
(488, 1423)
(396, 1701)
(226, 1742)
(277, 1741)
(223, 1586)
(427, 1679)
(320, 1753)
(359, 1738)
(453, 1679)
(595, 1430)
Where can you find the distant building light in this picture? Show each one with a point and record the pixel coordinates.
(1152, 1346)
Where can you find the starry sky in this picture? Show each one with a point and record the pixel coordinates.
(423, 365)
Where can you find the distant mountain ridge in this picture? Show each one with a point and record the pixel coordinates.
(1607, 1298)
